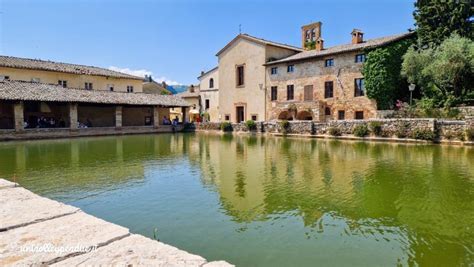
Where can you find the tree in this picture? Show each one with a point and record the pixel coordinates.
(436, 20)
(382, 78)
(445, 74)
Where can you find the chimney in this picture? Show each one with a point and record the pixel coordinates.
(319, 44)
(202, 72)
(357, 36)
(309, 34)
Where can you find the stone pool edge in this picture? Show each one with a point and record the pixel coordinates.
(28, 220)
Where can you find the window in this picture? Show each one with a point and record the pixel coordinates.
(359, 87)
(327, 111)
(290, 68)
(274, 92)
(110, 87)
(341, 114)
(129, 89)
(359, 115)
(191, 89)
(35, 80)
(4, 78)
(207, 104)
(63, 83)
(227, 117)
(88, 86)
(240, 76)
(329, 62)
(211, 83)
(308, 93)
(290, 92)
(360, 58)
(254, 117)
(274, 70)
(328, 89)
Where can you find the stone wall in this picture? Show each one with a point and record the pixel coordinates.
(442, 129)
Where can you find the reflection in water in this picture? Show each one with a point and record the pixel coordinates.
(267, 201)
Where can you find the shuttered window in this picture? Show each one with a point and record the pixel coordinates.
(308, 93)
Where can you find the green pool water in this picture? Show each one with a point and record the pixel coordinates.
(266, 201)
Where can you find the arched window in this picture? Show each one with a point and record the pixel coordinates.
(211, 83)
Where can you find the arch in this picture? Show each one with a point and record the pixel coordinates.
(211, 83)
(284, 115)
(304, 115)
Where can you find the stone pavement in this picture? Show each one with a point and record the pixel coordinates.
(38, 231)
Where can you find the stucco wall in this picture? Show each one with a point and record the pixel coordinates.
(252, 56)
(314, 73)
(212, 94)
(73, 80)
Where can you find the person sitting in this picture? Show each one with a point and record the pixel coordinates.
(166, 121)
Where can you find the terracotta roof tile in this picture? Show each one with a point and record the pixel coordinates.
(29, 91)
(371, 43)
(36, 64)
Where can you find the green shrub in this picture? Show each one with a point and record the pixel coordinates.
(251, 125)
(284, 125)
(402, 129)
(376, 128)
(470, 134)
(423, 134)
(226, 126)
(334, 131)
(361, 130)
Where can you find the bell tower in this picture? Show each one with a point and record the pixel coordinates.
(310, 34)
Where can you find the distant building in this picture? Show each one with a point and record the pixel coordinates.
(192, 97)
(151, 86)
(209, 94)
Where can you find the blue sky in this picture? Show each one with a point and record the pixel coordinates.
(175, 40)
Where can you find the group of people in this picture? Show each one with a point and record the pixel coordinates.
(173, 122)
(43, 122)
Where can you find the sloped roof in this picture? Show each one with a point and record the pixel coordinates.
(207, 72)
(371, 43)
(260, 41)
(37, 64)
(29, 91)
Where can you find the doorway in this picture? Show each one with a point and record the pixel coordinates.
(240, 113)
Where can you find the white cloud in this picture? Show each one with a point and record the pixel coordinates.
(139, 73)
(142, 73)
(166, 80)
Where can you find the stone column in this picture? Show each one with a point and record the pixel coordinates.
(19, 116)
(156, 116)
(118, 117)
(73, 117)
(185, 111)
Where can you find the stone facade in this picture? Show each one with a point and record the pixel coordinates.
(442, 129)
(313, 76)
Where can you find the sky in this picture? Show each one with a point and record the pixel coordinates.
(175, 40)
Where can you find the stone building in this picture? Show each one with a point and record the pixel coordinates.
(193, 98)
(44, 98)
(208, 84)
(263, 80)
(322, 83)
(242, 76)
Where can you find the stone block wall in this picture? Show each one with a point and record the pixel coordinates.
(443, 129)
